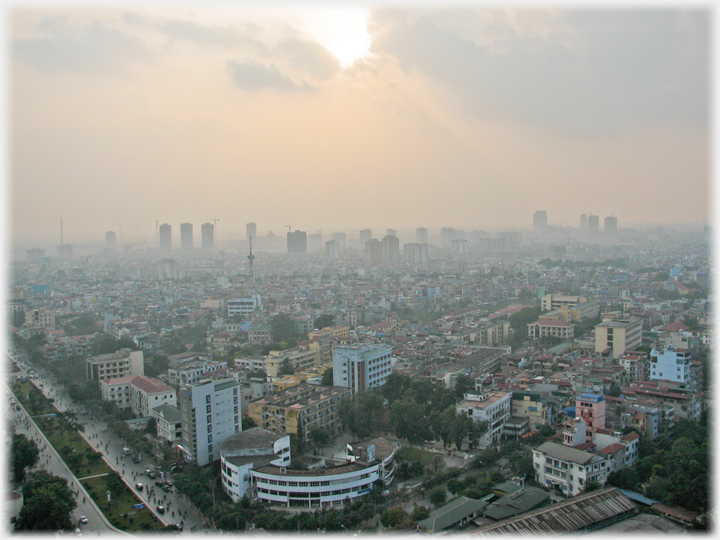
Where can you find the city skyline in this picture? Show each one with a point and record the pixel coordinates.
(339, 120)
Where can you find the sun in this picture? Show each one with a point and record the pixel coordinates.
(343, 31)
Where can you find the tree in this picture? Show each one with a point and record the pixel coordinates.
(48, 504)
(286, 368)
(408, 420)
(438, 496)
(282, 328)
(319, 437)
(323, 321)
(151, 426)
(393, 517)
(23, 454)
(327, 378)
(420, 513)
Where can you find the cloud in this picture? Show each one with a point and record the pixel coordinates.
(309, 56)
(256, 76)
(81, 48)
(595, 73)
(225, 36)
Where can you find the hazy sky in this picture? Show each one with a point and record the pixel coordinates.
(342, 119)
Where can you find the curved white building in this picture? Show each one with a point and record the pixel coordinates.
(248, 471)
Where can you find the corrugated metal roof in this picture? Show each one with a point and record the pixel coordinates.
(566, 517)
(448, 515)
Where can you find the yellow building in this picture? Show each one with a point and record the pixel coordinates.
(618, 335)
(297, 410)
(300, 357)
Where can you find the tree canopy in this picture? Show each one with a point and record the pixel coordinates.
(48, 504)
(23, 454)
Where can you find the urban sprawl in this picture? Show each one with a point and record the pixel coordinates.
(544, 381)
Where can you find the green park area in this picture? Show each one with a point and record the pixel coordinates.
(62, 430)
(123, 507)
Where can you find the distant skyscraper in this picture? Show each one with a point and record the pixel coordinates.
(297, 242)
(583, 221)
(421, 235)
(165, 237)
(540, 219)
(593, 222)
(332, 249)
(611, 224)
(373, 251)
(365, 235)
(250, 230)
(447, 235)
(415, 253)
(341, 239)
(207, 232)
(391, 232)
(314, 242)
(110, 239)
(391, 248)
(186, 235)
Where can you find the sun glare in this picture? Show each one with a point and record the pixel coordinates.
(343, 32)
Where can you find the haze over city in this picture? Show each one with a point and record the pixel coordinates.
(343, 119)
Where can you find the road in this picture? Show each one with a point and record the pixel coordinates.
(178, 508)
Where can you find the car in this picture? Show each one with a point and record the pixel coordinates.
(151, 474)
(126, 451)
(139, 486)
(160, 509)
(168, 482)
(78, 532)
(136, 459)
(166, 488)
(159, 483)
(83, 519)
(104, 430)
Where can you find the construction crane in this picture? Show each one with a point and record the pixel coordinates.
(289, 228)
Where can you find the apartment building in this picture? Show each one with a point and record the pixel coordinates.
(568, 469)
(138, 392)
(531, 405)
(298, 409)
(210, 413)
(114, 365)
(191, 372)
(360, 367)
(243, 307)
(301, 357)
(671, 364)
(550, 302)
(618, 335)
(494, 408)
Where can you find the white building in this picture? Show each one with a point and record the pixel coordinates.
(140, 393)
(147, 393)
(567, 468)
(240, 453)
(259, 468)
(118, 364)
(670, 365)
(242, 307)
(191, 372)
(495, 408)
(169, 423)
(210, 412)
(360, 367)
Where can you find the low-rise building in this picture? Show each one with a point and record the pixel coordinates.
(671, 364)
(493, 407)
(551, 328)
(114, 365)
(618, 335)
(169, 423)
(568, 469)
(299, 409)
